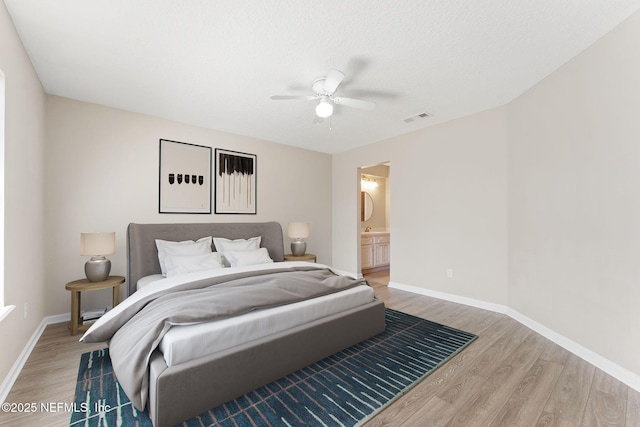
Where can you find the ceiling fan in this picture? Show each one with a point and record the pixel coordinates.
(325, 88)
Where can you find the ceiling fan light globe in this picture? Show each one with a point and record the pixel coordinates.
(324, 109)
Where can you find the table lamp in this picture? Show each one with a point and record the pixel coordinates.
(97, 245)
(298, 231)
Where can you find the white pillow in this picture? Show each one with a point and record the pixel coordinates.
(224, 245)
(187, 247)
(252, 257)
(182, 264)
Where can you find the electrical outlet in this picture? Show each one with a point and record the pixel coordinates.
(25, 310)
(449, 273)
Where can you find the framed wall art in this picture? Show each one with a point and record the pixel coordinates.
(235, 182)
(185, 178)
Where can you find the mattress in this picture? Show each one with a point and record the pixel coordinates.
(186, 342)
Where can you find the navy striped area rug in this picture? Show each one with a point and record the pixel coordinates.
(345, 389)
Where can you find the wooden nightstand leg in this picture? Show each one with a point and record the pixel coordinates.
(75, 312)
(116, 295)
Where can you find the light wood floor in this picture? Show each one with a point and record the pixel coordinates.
(509, 376)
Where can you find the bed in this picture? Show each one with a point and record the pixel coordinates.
(181, 386)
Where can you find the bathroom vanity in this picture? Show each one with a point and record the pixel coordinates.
(375, 250)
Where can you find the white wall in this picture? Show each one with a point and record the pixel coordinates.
(574, 198)
(535, 205)
(447, 208)
(102, 173)
(24, 206)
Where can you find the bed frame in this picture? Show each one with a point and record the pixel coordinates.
(183, 391)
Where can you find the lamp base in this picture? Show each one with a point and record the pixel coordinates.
(97, 269)
(298, 248)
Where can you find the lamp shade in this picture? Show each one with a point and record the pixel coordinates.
(94, 244)
(298, 230)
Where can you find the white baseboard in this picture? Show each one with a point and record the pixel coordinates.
(611, 368)
(622, 374)
(12, 376)
(498, 308)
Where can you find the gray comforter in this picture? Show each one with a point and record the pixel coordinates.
(136, 333)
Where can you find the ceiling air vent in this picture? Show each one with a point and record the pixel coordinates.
(415, 117)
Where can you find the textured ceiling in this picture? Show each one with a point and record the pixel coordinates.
(216, 63)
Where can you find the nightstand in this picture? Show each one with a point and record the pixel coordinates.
(78, 286)
(305, 257)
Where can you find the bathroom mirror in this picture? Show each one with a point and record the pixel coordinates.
(366, 206)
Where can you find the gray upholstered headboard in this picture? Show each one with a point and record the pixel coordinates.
(142, 254)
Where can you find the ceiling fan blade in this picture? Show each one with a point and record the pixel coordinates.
(308, 98)
(333, 80)
(355, 103)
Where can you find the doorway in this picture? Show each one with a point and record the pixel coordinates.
(375, 237)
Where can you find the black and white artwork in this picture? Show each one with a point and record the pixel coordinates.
(185, 178)
(235, 182)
